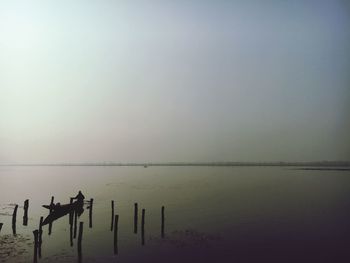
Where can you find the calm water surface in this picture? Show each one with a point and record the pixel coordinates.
(212, 214)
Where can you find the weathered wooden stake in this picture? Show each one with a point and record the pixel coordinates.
(14, 219)
(25, 216)
(40, 240)
(75, 223)
(112, 204)
(80, 237)
(135, 217)
(116, 219)
(143, 227)
(50, 224)
(71, 213)
(90, 212)
(1, 226)
(162, 226)
(35, 232)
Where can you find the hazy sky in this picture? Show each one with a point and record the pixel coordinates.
(174, 80)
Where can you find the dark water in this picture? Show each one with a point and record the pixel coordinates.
(212, 214)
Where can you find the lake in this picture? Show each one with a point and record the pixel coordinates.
(212, 214)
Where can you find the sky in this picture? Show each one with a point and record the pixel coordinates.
(196, 80)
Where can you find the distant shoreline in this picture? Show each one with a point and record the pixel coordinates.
(340, 165)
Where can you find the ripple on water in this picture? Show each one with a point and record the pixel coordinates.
(14, 248)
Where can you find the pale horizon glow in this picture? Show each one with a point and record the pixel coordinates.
(159, 81)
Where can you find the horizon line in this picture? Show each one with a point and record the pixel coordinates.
(183, 163)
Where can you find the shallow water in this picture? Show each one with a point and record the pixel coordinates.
(222, 214)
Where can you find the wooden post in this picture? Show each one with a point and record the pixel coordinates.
(90, 212)
(143, 227)
(71, 234)
(162, 226)
(35, 232)
(135, 217)
(116, 219)
(25, 216)
(80, 237)
(75, 223)
(50, 224)
(71, 213)
(14, 219)
(1, 226)
(112, 204)
(40, 240)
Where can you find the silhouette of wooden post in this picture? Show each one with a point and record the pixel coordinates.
(71, 213)
(1, 226)
(143, 227)
(112, 204)
(75, 223)
(51, 204)
(135, 217)
(71, 234)
(163, 219)
(14, 219)
(40, 239)
(90, 212)
(80, 237)
(35, 232)
(116, 219)
(25, 216)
